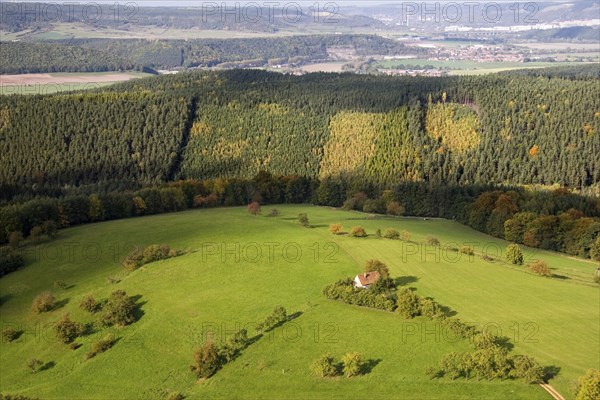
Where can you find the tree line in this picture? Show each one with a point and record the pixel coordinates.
(96, 55)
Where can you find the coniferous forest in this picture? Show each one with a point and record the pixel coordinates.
(476, 149)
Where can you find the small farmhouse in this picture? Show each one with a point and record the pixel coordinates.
(365, 280)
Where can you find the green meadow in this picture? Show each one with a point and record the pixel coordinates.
(238, 267)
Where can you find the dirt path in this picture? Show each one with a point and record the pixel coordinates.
(552, 391)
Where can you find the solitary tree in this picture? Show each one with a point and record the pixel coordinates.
(67, 330)
(207, 360)
(589, 386)
(358, 231)
(303, 220)
(254, 208)
(541, 268)
(34, 365)
(325, 366)
(119, 309)
(352, 364)
(335, 229)
(376, 265)
(43, 302)
(514, 255)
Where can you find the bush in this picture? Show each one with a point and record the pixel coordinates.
(514, 255)
(344, 291)
(134, 259)
(254, 208)
(235, 344)
(68, 330)
(10, 334)
(352, 363)
(34, 365)
(588, 387)
(378, 233)
(373, 206)
(175, 396)
(335, 229)
(391, 234)
(89, 304)
(278, 316)
(274, 212)
(207, 360)
(155, 252)
(526, 368)
(405, 236)
(325, 367)
(540, 267)
(60, 285)
(408, 303)
(467, 250)
(430, 309)
(358, 232)
(303, 220)
(101, 346)
(10, 260)
(43, 302)
(394, 208)
(15, 239)
(432, 241)
(119, 309)
(36, 233)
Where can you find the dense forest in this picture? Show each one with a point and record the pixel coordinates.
(439, 144)
(86, 55)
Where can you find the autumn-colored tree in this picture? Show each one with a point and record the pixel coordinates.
(254, 208)
(335, 229)
(376, 265)
(395, 208)
(540, 267)
(357, 231)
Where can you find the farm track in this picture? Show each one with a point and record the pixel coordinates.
(552, 391)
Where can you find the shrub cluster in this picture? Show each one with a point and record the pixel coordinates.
(10, 260)
(101, 346)
(119, 309)
(209, 358)
(67, 330)
(343, 290)
(540, 267)
(336, 229)
(277, 317)
(326, 366)
(90, 304)
(141, 256)
(391, 234)
(10, 334)
(43, 302)
(358, 232)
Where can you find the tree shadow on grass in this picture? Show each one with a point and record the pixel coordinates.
(405, 280)
(550, 372)
(368, 366)
(4, 298)
(319, 226)
(47, 366)
(60, 304)
(561, 277)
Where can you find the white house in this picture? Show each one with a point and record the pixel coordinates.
(365, 280)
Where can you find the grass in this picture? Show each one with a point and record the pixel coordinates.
(49, 88)
(209, 290)
(467, 67)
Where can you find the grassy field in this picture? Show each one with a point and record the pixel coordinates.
(239, 267)
(467, 67)
(63, 81)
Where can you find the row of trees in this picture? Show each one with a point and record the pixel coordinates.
(556, 220)
(93, 55)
